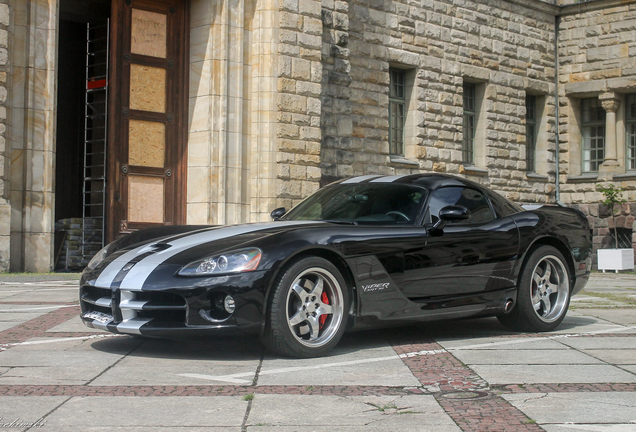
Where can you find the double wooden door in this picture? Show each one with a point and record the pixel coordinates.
(147, 115)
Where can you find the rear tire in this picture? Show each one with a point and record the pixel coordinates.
(543, 292)
(307, 309)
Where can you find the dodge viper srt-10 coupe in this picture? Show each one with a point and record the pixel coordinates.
(364, 252)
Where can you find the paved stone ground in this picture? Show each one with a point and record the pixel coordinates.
(470, 375)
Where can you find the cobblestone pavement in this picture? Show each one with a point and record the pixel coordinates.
(471, 375)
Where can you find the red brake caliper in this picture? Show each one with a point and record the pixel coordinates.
(323, 318)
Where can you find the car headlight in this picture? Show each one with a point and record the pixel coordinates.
(244, 260)
(98, 258)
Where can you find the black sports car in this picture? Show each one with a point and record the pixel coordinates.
(363, 252)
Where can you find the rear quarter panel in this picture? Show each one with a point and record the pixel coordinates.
(562, 227)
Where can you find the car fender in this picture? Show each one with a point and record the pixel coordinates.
(332, 255)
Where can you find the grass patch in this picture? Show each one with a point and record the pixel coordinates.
(613, 297)
(248, 397)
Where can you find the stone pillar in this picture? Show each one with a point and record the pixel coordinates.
(610, 103)
(5, 207)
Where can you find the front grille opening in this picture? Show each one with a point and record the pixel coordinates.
(89, 295)
(95, 293)
(163, 307)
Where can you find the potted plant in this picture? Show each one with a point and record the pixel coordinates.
(617, 258)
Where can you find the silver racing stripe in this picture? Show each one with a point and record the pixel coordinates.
(138, 274)
(106, 277)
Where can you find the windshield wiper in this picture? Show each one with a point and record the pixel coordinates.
(339, 221)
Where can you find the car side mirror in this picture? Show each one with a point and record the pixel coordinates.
(451, 213)
(278, 213)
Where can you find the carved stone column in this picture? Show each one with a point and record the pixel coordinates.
(610, 103)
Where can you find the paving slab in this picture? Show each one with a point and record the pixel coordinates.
(372, 427)
(576, 324)
(329, 412)
(169, 362)
(26, 308)
(63, 362)
(379, 365)
(608, 342)
(5, 325)
(631, 368)
(578, 407)
(149, 411)
(625, 317)
(488, 343)
(614, 356)
(18, 316)
(117, 344)
(27, 408)
(549, 373)
(48, 295)
(75, 325)
(524, 357)
(589, 428)
(158, 429)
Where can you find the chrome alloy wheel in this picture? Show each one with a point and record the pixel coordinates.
(550, 288)
(315, 307)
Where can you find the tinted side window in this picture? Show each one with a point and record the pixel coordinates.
(473, 200)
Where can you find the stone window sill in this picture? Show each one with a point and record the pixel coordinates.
(585, 178)
(630, 175)
(537, 177)
(401, 160)
(473, 170)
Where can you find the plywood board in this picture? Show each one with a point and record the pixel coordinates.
(145, 199)
(147, 88)
(148, 33)
(146, 143)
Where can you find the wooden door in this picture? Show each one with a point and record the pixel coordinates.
(148, 115)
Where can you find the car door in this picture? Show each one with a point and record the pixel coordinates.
(472, 256)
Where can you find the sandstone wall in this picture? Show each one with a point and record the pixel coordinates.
(506, 48)
(300, 73)
(5, 208)
(597, 50)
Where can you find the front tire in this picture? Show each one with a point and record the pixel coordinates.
(543, 293)
(307, 309)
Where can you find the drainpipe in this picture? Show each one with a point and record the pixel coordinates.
(557, 179)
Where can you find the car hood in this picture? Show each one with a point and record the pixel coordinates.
(131, 266)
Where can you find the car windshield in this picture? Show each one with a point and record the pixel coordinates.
(368, 203)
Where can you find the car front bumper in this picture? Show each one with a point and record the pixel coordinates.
(181, 308)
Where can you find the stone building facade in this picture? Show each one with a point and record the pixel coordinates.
(284, 96)
(598, 63)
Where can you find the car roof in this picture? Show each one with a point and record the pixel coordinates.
(430, 181)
